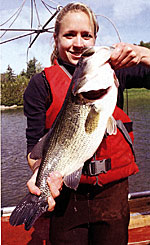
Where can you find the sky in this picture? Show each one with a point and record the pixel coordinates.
(130, 17)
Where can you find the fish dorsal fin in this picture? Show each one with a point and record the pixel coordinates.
(92, 121)
(111, 126)
(72, 181)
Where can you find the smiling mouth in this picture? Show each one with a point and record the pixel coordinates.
(95, 94)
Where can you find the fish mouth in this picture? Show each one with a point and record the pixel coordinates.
(95, 94)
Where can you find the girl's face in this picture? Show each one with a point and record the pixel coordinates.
(76, 32)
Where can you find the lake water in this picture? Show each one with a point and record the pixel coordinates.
(15, 170)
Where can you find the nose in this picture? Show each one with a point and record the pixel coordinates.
(78, 42)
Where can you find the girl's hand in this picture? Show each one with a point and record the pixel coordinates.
(31, 184)
(55, 183)
(126, 55)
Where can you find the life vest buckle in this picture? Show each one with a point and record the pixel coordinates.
(96, 167)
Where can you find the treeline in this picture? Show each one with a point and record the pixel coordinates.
(13, 86)
(147, 45)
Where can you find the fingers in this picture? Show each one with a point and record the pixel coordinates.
(125, 55)
(51, 204)
(33, 163)
(31, 184)
(36, 165)
(55, 183)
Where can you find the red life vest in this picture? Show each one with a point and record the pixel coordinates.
(59, 81)
(114, 147)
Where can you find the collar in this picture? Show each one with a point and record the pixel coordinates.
(69, 67)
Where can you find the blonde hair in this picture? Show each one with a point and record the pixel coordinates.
(70, 8)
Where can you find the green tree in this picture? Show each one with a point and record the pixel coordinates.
(13, 87)
(39, 67)
(12, 91)
(9, 75)
(23, 73)
(31, 68)
(147, 45)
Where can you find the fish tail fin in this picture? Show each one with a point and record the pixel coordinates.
(28, 211)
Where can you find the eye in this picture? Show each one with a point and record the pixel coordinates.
(87, 35)
(69, 35)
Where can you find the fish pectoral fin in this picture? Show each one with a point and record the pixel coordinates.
(72, 181)
(92, 121)
(111, 126)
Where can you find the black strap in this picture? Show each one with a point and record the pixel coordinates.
(126, 135)
(96, 167)
(128, 126)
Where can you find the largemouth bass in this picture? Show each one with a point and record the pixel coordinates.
(77, 131)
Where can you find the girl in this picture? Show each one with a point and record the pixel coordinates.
(95, 213)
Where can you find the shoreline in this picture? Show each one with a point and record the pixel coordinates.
(3, 107)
